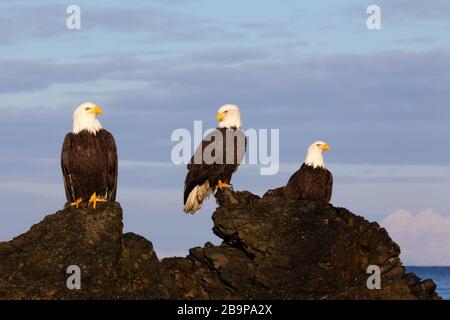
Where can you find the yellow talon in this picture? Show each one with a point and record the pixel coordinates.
(222, 185)
(76, 203)
(93, 200)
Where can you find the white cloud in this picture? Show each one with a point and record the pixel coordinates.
(423, 238)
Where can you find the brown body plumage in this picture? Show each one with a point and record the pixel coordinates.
(89, 165)
(309, 183)
(205, 175)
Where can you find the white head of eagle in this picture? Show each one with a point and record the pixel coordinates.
(85, 118)
(314, 156)
(229, 116)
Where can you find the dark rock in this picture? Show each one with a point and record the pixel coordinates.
(273, 248)
(34, 265)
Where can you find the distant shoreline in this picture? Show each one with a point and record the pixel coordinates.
(411, 266)
(439, 274)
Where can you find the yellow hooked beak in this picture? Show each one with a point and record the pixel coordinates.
(97, 110)
(219, 116)
(325, 147)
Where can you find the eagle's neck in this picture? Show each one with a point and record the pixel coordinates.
(315, 160)
(230, 123)
(90, 125)
(229, 128)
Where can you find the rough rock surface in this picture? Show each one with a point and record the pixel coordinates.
(273, 248)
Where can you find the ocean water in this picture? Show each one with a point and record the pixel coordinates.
(440, 276)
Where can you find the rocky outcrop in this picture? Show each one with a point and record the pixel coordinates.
(273, 248)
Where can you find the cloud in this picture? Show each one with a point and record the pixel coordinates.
(423, 238)
(421, 75)
(230, 55)
(401, 88)
(46, 21)
(153, 22)
(272, 30)
(18, 22)
(396, 101)
(158, 165)
(358, 173)
(417, 8)
(49, 191)
(401, 10)
(415, 40)
(31, 75)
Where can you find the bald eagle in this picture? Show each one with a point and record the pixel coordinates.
(89, 159)
(216, 159)
(312, 181)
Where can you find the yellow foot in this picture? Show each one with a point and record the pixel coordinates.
(222, 185)
(76, 203)
(93, 200)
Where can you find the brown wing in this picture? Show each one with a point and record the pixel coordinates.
(328, 186)
(311, 184)
(65, 166)
(237, 149)
(213, 170)
(113, 164)
(197, 172)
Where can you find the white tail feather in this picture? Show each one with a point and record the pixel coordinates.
(196, 197)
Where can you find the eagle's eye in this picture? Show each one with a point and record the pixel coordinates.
(87, 109)
(318, 145)
(225, 111)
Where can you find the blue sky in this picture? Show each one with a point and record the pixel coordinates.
(309, 68)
